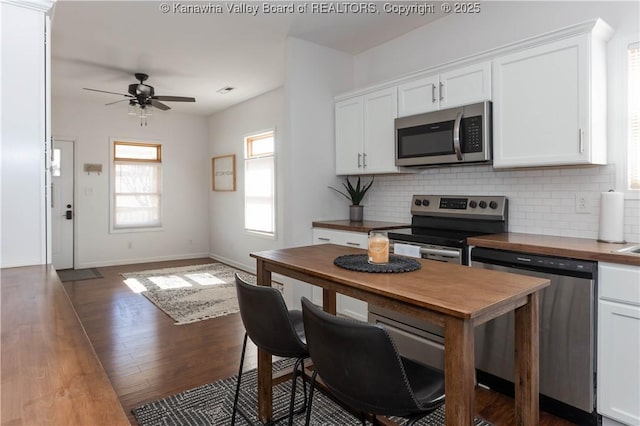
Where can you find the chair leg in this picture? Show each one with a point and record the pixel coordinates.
(304, 387)
(235, 399)
(294, 381)
(302, 409)
(311, 389)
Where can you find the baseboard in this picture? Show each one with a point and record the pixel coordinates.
(231, 262)
(140, 260)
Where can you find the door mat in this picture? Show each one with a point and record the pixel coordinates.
(67, 275)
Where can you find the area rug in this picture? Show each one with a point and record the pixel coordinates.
(212, 404)
(190, 293)
(67, 275)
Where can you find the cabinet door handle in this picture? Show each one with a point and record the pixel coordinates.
(441, 91)
(433, 93)
(359, 155)
(364, 159)
(581, 140)
(353, 244)
(324, 239)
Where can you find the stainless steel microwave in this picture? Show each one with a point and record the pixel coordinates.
(451, 136)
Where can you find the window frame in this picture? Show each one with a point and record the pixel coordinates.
(248, 156)
(627, 125)
(619, 127)
(113, 229)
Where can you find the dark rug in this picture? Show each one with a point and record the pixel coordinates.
(78, 274)
(212, 404)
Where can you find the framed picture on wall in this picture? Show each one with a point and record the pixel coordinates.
(223, 174)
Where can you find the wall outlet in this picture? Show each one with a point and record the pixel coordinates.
(582, 203)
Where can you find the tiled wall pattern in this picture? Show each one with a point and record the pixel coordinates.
(541, 201)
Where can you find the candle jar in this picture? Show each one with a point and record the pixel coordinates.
(378, 248)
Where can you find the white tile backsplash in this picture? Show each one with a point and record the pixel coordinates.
(541, 201)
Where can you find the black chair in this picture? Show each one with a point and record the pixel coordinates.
(361, 367)
(274, 329)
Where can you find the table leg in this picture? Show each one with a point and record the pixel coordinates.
(527, 379)
(265, 378)
(329, 301)
(459, 372)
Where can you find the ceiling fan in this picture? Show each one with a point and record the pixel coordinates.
(144, 95)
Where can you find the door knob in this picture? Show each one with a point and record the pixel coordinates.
(69, 215)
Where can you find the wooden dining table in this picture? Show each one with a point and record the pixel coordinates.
(455, 297)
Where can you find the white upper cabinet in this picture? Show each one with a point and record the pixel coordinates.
(457, 87)
(365, 133)
(416, 97)
(349, 116)
(549, 103)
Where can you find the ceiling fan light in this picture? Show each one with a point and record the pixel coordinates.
(132, 109)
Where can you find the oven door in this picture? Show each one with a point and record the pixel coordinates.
(420, 341)
(427, 251)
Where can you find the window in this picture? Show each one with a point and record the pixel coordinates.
(259, 183)
(136, 185)
(633, 152)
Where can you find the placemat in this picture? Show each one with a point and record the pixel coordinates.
(360, 263)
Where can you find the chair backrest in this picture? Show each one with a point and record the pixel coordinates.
(358, 362)
(266, 319)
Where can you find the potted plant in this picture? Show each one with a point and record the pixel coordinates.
(355, 194)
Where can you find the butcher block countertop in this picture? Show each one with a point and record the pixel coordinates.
(50, 372)
(364, 226)
(576, 248)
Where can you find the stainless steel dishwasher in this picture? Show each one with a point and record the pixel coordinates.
(567, 333)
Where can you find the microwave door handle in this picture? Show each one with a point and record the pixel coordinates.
(456, 136)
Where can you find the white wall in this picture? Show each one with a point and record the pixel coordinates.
(542, 201)
(228, 241)
(314, 75)
(186, 183)
(22, 208)
(302, 113)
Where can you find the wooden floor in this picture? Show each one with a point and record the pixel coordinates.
(146, 357)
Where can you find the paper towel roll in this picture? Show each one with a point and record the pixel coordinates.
(611, 217)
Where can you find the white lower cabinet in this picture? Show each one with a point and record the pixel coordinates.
(619, 344)
(346, 305)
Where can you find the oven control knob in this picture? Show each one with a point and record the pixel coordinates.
(417, 202)
(473, 204)
(493, 205)
(425, 202)
(483, 204)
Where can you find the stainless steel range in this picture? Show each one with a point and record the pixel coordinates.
(440, 226)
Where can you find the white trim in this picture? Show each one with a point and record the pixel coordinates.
(598, 26)
(263, 234)
(118, 230)
(129, 261)
(37, 5)
(618, 63)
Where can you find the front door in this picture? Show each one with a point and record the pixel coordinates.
(62, 204)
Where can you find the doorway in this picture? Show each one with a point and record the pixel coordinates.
(62, 204)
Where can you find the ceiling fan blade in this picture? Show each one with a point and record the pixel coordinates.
(159, 105)
(174, 98)
(121, 100)
(104, 91)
